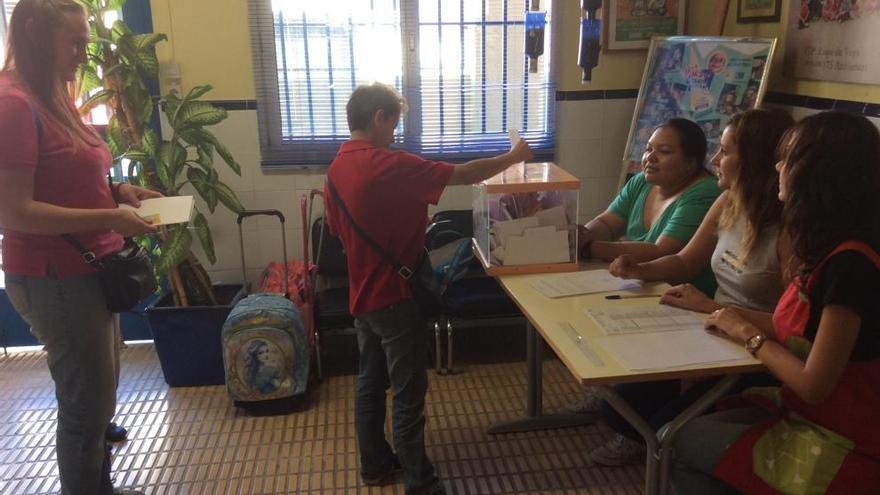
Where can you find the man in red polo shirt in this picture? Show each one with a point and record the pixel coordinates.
(387, 193)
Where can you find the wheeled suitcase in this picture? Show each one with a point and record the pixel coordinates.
(265, 346)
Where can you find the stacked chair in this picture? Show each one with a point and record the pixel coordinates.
(474, 301)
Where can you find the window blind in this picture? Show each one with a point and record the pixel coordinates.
(460, 64)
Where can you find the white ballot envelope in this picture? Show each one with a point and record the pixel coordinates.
(514, 136)
(164, 211)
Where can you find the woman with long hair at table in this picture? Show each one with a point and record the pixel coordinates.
(818, 432)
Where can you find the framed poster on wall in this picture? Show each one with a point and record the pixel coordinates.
(704, 79)
(758, 10)
(833, 41)
(632, 23)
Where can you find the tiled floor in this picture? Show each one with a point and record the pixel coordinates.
(193, 441)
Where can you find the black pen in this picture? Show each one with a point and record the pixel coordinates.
(629, 296)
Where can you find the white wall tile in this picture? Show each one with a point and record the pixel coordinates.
(454, 198)
(228, 250)
(797, 113)
(617, 116)
(595, 196)
(222, 218)
(233, 276)
(612, 156)
(581, 157)
(581, 119)
(287, 202)
(270, 245)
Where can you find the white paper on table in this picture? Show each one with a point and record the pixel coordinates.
(663, 350)
(507, 228)
(629, 319)
(585, 282)
(535, 249)
(164, 211)
(553, 216)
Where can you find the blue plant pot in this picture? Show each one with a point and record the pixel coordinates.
(187, 339)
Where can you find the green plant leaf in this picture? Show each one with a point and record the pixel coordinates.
(90, 5)
(228, 197)
(227, 156)
(198, 113)
(201, 181)
(206, 158)
(136, 155)
(116, 140)
(169, 162)
(87, 79)
(150, 140)
(99, 98)
(147, 62)
(199, 136)
(120, 30)
(203, 232)
(117, 69)
(170, 105)
(115, 4)
(198, 92)
(175, 249)
(148, 40)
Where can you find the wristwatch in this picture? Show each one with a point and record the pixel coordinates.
(754, 343)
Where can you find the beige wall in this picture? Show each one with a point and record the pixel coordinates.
(209, 40)
(623, 70)
(210, 43)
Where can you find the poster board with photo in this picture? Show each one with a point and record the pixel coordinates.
(833, 41)
(704, 79)
(632, 23)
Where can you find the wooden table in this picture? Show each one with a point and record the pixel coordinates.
(563, 324)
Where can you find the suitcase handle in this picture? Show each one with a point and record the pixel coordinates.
(253, 213)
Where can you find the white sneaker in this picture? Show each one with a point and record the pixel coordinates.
(619, 451)
(589, 404)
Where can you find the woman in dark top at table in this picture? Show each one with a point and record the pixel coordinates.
(818, 433)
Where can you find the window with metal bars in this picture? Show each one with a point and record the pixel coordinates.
(460, 64)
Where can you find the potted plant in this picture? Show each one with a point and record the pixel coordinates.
(120, 65)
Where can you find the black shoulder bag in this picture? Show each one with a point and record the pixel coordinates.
(126, 277)
(426, 291)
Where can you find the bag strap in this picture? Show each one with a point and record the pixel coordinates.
(404, 271)
(87, 256)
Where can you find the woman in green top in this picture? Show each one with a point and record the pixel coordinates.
(658, 210)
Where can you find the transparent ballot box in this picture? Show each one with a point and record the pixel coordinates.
(525, 220)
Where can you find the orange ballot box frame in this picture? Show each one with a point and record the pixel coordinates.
(525, 220)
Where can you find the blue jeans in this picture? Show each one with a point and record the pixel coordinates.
(70, 317)
(701, 444)
(393, 352)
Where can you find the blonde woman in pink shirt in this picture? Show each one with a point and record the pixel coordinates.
(53, 181)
